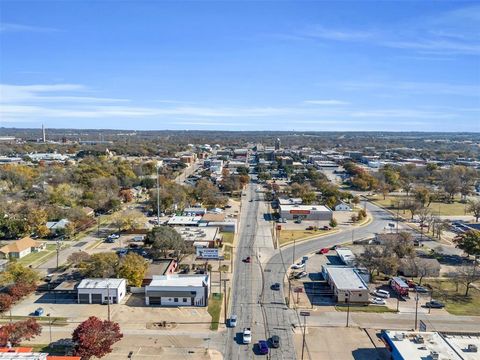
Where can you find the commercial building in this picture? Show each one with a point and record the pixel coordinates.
(99, 291)
(27, 353)
(306, 212)
(348, 284)
(178, 290)
(410, 345)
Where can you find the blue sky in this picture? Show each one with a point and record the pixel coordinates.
(273, 65)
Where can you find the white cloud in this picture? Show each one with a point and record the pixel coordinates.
(326, 102)
(11, 27)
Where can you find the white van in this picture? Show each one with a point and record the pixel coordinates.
(139, 238)
(382, 293)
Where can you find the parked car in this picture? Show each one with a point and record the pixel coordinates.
(233, 321)
(310, 227)
(378, 301)
(275, 341)
(323, 251)
(298, 221)
(114, 236)
(301, 275)
(283, 220)
(38, 312)
(297, 266)
(327, 228)
(247, 336)
(421, 289)
(433, 304)
(247, 260)
(275, 286)
(263, 347)
(109, 240)
(382, 293)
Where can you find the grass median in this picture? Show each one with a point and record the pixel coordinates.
(288, 236)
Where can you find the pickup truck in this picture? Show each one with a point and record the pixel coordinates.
(247, 336)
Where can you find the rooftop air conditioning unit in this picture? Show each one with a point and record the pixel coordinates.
(434, 355)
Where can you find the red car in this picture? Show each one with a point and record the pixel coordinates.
(323, 251)
(247, 260)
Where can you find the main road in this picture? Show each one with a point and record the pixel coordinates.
(255, 304)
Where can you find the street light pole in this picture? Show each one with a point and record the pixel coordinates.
(416, 311)
(348, 311)
(50, 326)
(108, 301)
(304, 314)
(225, 300)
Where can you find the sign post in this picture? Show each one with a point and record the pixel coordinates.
(304, 314)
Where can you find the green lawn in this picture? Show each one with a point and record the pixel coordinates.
(214, 309)
(287, 236)
(367, 308)
(436, 208)
(228, 237)
(456, 303)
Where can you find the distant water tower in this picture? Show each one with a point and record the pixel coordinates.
(277, 144)
(43, 134)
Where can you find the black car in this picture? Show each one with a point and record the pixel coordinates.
(275, 286)
(433, 304)
(275, 341)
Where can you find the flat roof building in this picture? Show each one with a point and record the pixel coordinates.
(347, 284)
(412, 345)
(305, 212)
(178, 290)
(99, 291)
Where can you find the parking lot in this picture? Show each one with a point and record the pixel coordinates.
(312, 291)
(339, 343)
(131, 312)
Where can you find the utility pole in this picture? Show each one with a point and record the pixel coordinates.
(293, 261)
(225, 299)
(347, 300)
(158, 197)
(304, 314)
(108, 301)
(416, 312)
(58, 251)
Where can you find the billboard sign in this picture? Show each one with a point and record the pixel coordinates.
(207, 253)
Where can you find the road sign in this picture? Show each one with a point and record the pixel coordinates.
(298, 290)
(304, 313)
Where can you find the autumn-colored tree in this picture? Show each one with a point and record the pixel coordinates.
(6, 302)
(21, 289)
(19, 331)
(101, 265)
(95, 337)
(126, 195)
(78, 257)
(17, 273)
(133, 268)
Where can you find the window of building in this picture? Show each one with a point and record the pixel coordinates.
(175, 299)
(185, 300)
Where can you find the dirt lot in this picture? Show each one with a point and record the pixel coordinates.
(340, 344)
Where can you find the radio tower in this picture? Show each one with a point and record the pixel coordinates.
(43, 134)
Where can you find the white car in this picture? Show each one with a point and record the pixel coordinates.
(233, 321)
(382, 293)
(378, 301)
(247, 336)
(298, 266)
(114, 236)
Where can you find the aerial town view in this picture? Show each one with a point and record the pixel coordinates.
(229, 180)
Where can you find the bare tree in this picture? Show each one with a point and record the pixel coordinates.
(474, 208)
(468, 274)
